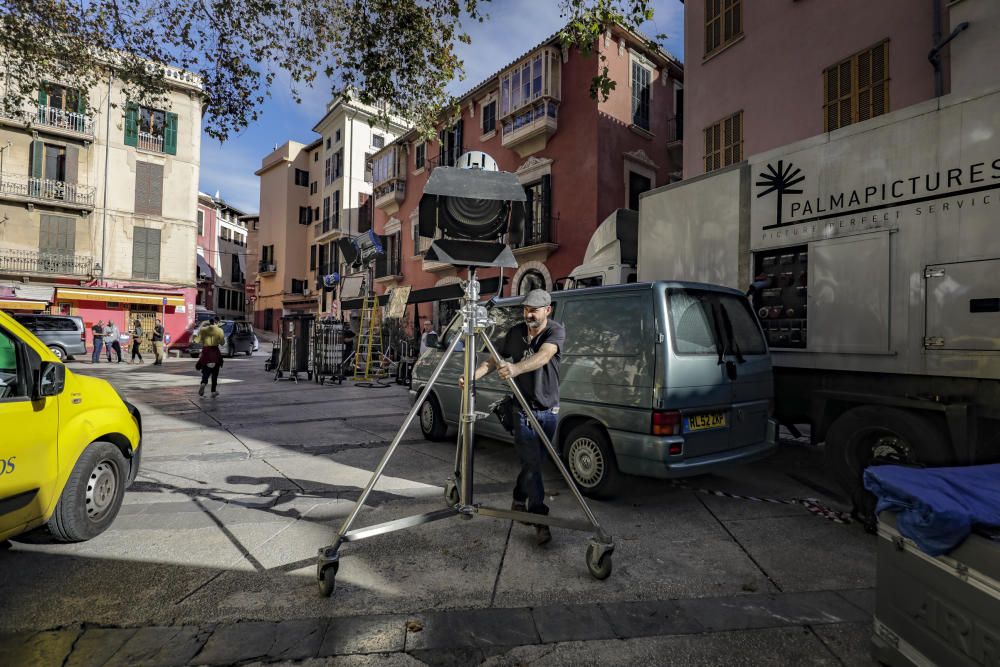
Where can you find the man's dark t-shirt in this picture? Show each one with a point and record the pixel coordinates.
(158, 333)
(540, 387)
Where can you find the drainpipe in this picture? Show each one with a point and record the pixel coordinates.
(935, 53)
(104, 213)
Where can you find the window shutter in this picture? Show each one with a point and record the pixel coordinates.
(141, 188)
(37, 159)
(72, 164)
(43, 97)
(442, 147)
(131, 124)
(546, 209)
(138, 252)
(46, 237)
(81, 102)
(155, 172)
(153, 254)
(170, 134)
(66, 241)
(459, 132)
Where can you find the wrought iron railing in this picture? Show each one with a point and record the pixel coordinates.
(150, 142)
(394, 184)
(535, 232)
(53, 117)
(675, 129)
(46, 189)
(266, 266)
(14, 260)
(449, 160)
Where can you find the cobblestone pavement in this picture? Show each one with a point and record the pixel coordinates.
(211, 560)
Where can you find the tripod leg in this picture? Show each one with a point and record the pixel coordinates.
(604, 537)
(395, 443)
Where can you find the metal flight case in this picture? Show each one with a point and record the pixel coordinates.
(329, 353)
(295, 347)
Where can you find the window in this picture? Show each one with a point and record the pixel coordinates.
(201, 223)
(302, 178)
(148, 188)
(637, 184)
(337, 135)
(531, 279)
(305, 215)
(55, 96)
(336, 210)
(607, 328)
(383, 167)
(316, 156)
(298, 286)
(857, 88)
(234, 269)
(328, 143)
(328, 173)
(316, 214)
(450, 145)
(723, 23)
(378, 141)
(698, 319)
(312, 257)
(55, 163)
(266, 257)
(150, 129)
(641, 77)
(537, 223)
(146, 253)
(313, 187)
(338, 164)
(56, 244)
(366, 211)
(368, 167)
(326, 214)
(724, 142)
(490, 117)
(419, 155)
(528, 80)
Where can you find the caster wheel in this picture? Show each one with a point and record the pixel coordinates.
(328, 579)
(598, 562)
(451, 494)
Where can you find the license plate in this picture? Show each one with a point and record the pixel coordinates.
(704, 422)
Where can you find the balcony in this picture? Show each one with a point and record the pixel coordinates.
(150, 142)
(675, 131)
(21, 262)
(50, 118)
(388, 266)
(266, 268)
(29, 189)
(390, 194)
(528, 129)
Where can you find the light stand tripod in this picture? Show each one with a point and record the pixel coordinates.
(458, 492)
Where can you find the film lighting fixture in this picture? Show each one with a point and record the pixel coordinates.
(360, 251)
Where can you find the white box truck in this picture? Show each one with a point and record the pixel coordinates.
(875, 252)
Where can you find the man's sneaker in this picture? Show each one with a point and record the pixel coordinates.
(542, 535)
(518, 506)
(214, 393)
(201, 390)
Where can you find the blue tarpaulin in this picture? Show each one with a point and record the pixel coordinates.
(937, 507)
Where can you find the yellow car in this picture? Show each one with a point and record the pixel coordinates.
(69, 445)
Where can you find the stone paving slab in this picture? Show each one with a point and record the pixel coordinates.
(807, 628)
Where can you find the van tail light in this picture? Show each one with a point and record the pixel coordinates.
(666, 423)
(83, 336)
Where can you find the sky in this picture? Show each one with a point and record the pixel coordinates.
(513, 27)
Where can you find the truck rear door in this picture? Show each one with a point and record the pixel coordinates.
(963, 306)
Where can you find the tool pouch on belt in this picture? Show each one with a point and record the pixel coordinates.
(506, 410)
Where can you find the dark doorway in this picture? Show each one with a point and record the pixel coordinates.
(637, 184)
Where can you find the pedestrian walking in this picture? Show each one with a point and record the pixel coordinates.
(136, 333)
(535, 346)
(112, 341)
(210, 336)
(158, 343)
(425, 331)
(98, 334)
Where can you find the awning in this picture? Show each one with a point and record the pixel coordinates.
(203, 268)
(442, 293)
(15, 304)
(74, 294)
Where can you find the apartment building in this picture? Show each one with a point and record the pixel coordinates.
(311, 195)
(221, 257)
(579, 159)
(97, 204)
(766, 74)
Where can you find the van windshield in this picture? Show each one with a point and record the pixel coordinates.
(707, 322)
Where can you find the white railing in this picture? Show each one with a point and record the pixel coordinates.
(150, 142)
(66, 120)
(46, 189)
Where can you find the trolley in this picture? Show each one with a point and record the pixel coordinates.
(329, 361)
(295, 344)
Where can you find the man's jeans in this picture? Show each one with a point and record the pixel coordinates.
(96, 356)
(532, 452)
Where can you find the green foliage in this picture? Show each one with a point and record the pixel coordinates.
(401, 51)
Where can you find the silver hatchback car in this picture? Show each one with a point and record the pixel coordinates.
(664, 379)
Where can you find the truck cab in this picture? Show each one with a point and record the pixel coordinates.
(71, 444)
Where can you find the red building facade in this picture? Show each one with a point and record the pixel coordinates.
(579, 159)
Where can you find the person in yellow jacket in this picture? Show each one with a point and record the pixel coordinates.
(211, 336)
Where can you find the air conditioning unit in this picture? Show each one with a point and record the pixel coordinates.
(306, 291)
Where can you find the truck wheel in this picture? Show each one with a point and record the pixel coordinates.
(92, 496)
(590, 460)
(871, 435)
(432, 420)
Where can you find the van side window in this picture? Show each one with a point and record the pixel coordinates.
(691, 320)
(743, 329)
(707, 322)
(609, 326)
(10, 381)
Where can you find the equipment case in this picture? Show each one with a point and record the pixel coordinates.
(942, 610)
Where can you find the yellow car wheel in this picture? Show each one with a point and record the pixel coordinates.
(93, 494)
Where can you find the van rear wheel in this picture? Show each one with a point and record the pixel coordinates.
(590, 460)
(92, 496)
(432, 420)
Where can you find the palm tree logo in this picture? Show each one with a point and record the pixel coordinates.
(780, 180)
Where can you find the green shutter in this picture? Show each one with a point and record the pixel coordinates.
(139, 252)
(131, 124)
(37, 159)
(81, 102)
(43, 101)
(170, 135)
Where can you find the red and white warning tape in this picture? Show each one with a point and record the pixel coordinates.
(810, 504)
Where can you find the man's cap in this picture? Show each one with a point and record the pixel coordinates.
(537, 298)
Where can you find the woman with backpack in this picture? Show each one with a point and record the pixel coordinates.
(136, 340)
(210, 336)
